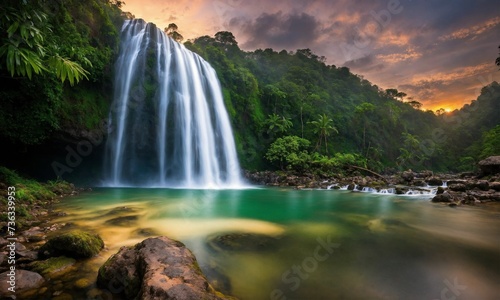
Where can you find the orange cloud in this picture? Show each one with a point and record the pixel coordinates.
(454, 74)
(410, 53)
(472, 31)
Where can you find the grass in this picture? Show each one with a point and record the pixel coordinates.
(29, 192)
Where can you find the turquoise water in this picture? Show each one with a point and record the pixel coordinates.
(325, 244)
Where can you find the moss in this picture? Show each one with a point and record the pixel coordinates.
(76, 244)
(27, 190)
(52, 265)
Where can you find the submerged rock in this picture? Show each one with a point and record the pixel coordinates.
(144, 232)
(242, 242)
(53, 266)
(75, 244)
(156, 268)
(125, 221)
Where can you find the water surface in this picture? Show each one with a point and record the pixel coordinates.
(326, 244)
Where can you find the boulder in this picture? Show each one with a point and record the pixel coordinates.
(495, 186)
(156, 268)
(407, 175)
(490, 165)
(444, 197)
(75, 244)
(436, 181)
(480, 184)
(458, 187)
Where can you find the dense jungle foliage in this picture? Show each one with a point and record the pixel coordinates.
(289, 110)
(294, 111)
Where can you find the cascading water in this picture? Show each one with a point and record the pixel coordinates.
(168, 124)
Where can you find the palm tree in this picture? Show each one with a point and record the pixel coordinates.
(278, 124)
(323, 127)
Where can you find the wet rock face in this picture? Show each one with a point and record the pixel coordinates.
(156, 268)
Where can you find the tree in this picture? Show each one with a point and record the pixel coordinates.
(400, 95)
(362, 111)
(171, 31)
(440, 111)
(26, 48)
(415, 104)
(323, 127)
(391, 93)
(278, 124)
(289, 152)
(410, 153)
(491, 142)
(226, 38)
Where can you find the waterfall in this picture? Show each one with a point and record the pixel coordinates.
(168, 124)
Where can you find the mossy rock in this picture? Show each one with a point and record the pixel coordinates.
(76, 244)
(52, 265)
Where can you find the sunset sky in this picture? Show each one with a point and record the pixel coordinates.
(439, 52)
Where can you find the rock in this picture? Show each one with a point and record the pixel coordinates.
(83, 283)
(495, 186)
(424, 174)
(25, 280)
(420, 183)
(436, 181)
(75, 244)
(242, 242)
(440, 190)
(156, 268)
(124, 221)
(458, 187)
(480, 184)
(144, 232)
(28, 255)
(53, 266)
(444, 197)
(490, 165)
(408, 175)
(34, 235)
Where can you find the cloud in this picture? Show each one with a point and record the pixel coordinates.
(366, 63)
(409, 54)
(473, 31)
(279, 30)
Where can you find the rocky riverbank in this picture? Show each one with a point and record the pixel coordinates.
(454, 189)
